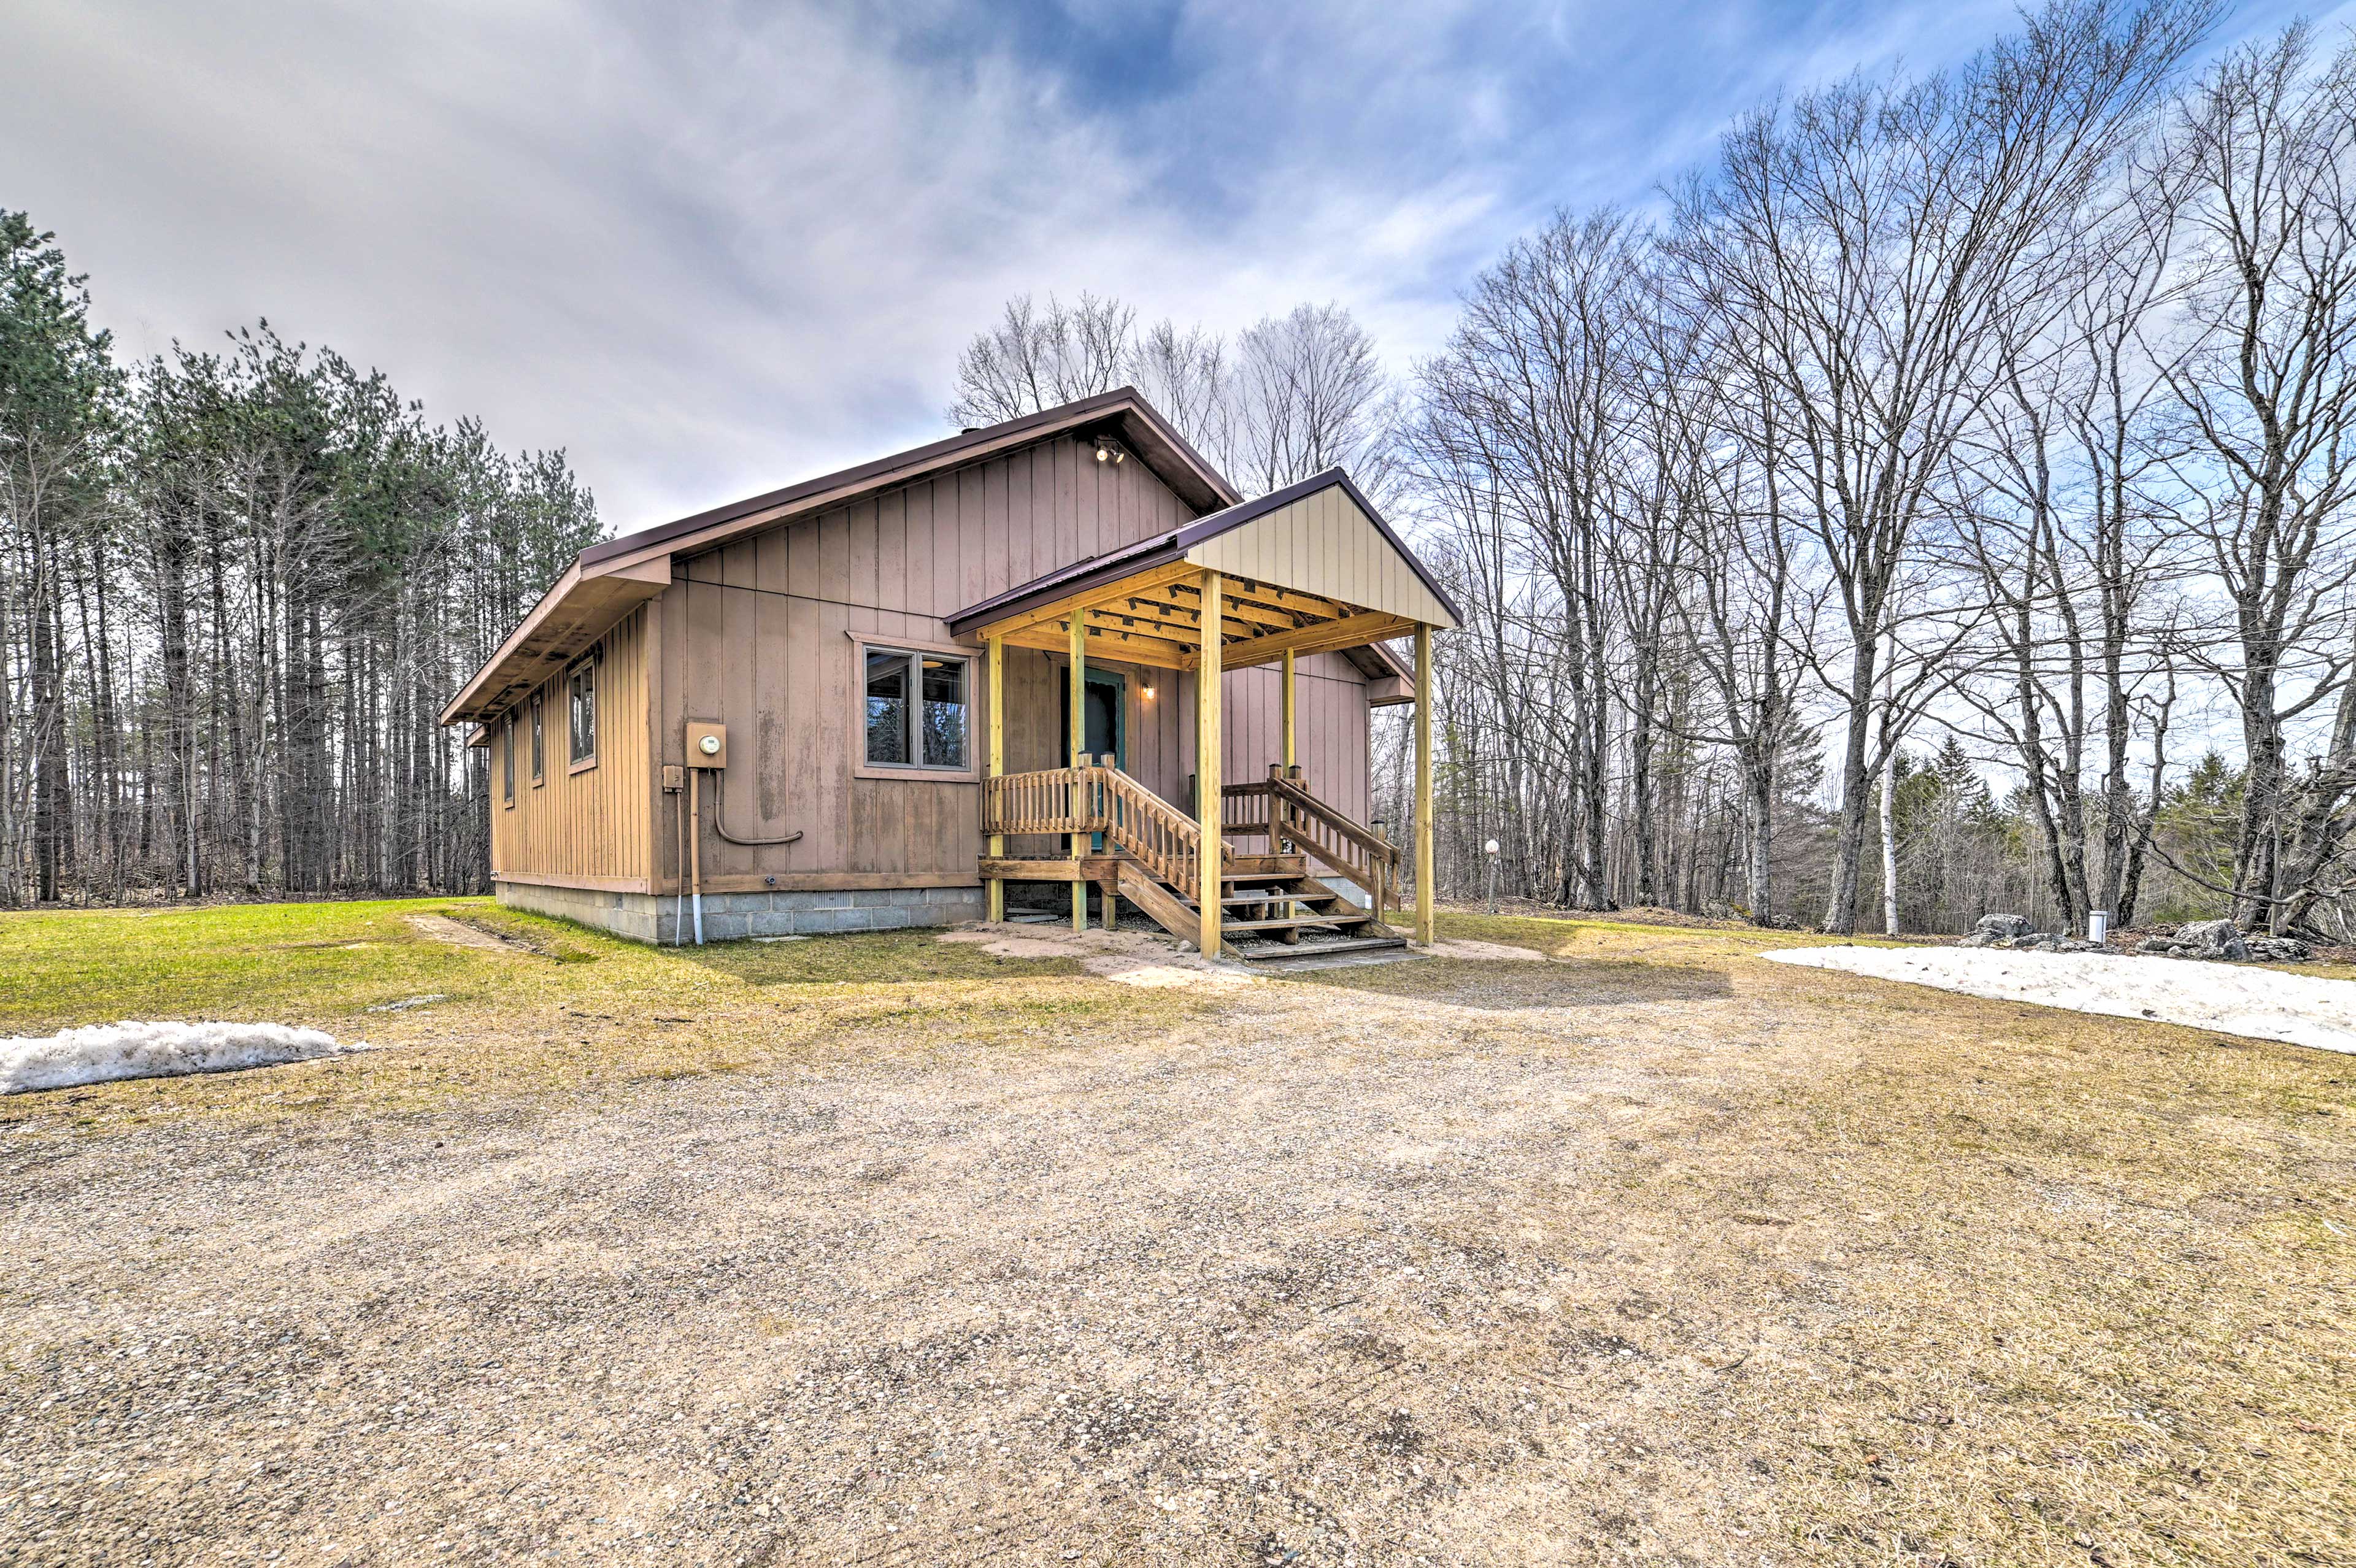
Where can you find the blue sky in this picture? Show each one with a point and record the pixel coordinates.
(713, 250)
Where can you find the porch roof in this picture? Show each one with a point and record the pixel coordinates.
(1311, 568)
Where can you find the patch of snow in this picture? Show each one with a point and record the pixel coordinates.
(2263, 1004)
(103, 1053)
(406, 1003)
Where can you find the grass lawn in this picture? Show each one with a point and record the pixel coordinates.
(543, 1006)
(887, 1249)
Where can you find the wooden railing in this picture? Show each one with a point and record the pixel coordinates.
(1048, 801)
(1164, 839)
(1167, 841)
(1291, 819)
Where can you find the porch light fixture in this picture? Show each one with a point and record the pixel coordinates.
(1147, 690)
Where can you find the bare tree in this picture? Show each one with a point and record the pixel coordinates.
(1308, 393)
(2260, 196)
(1035, 359)
(1187, 375)
(1882, 232)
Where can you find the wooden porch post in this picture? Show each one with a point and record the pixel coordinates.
(1079, 717)
(1288, 757)
(1423, 855)
(1206, 767)
(996, 762)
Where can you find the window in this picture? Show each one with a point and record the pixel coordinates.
(537, 752)
(507, 761)
(581, 701)
(918, 709)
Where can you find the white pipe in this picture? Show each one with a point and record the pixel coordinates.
(695, 847)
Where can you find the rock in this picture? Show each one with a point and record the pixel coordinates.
(2051, 941)
(1992, 929)
(2211, 939)
(2277, 949)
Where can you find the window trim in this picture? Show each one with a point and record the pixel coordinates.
(538, 739)
(580, 764)
(976, 663)
(508, 762)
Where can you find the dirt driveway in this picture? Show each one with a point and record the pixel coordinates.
(1664, 1256)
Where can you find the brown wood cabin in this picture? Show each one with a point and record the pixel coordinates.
(850, 704)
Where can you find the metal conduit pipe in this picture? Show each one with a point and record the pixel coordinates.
(719, 824)
(695, 850)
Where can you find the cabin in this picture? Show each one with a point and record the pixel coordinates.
(1054, 664)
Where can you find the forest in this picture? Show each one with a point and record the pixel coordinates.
(1938, 502)
(236, 588)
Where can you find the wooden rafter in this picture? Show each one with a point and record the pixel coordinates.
(1156, 618)
(1121, 647)
(1060, 609)
(1325, 636)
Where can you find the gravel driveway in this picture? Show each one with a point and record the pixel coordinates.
(1487, 1263)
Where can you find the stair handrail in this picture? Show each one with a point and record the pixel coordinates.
(1165, 840)
(1297, 815)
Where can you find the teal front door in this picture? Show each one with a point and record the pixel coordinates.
(1103, 707)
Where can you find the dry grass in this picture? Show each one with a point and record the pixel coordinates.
(546, 1007)
(904, 1253)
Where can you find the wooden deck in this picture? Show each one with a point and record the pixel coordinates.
(1268, 900)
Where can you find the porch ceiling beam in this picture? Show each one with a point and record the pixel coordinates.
(1243, 622)
(1098, 632)
(1250, 614)
(1290, 603)
(1059, 610)
(1116, 647)
(1130, 615)
(1298, 599)
(1231, 625)
(1366, 626)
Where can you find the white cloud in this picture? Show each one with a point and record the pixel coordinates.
(712, 252)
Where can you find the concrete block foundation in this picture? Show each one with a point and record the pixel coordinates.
(731, 917)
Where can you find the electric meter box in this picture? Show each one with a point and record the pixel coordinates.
(707, 743)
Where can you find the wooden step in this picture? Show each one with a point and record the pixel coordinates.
(1259, 952)
(1166, 909)
(1288, 923)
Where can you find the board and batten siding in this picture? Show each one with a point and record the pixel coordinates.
(1323, 543)
(592, 829)
(761, 635)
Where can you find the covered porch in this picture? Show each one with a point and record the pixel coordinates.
(1306, 570)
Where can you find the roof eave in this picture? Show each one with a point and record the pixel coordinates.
(646, 555)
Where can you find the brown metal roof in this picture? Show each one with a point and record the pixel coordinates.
(573, 605)
(1142, 430)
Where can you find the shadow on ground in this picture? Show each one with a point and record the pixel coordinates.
(1509, 985)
